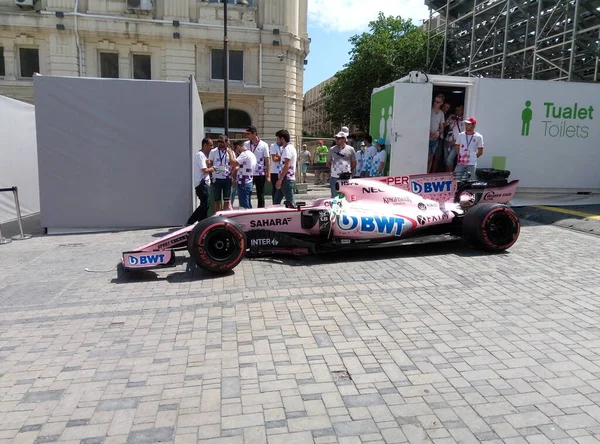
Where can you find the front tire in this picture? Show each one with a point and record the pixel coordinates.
(217, 244)
(492, 227)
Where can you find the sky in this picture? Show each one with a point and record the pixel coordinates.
(332, 22)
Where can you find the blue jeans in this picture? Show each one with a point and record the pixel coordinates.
(287, 191)
(244, 191)
(332, 181)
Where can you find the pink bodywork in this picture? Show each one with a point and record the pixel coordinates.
(371, 208)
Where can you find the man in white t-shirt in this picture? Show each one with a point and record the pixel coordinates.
(262, 173)
(436, 129)
(287, 177)
(341, 160)
(469, 147)
(275, 151)
(244, 167)
(201, 178)
(222, 157)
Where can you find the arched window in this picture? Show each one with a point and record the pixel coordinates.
(238, 119)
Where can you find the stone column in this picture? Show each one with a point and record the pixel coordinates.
(10, 59)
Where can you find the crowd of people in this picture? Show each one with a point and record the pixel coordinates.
(342, 158)
(229, 171)
(454, 145)
(234, 170)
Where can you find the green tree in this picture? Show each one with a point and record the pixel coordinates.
(388, 51)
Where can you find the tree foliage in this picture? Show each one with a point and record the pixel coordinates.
(388, 51)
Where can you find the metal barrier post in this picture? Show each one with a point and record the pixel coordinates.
(3, 240)
(17, 205)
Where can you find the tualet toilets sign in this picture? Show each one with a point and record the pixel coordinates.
(558, 119)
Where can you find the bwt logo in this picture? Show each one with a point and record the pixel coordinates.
(431, 187)
(377, 224)
(148, 259)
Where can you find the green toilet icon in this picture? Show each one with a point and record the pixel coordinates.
(526, 117)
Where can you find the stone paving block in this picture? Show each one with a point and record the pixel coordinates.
(487, 356)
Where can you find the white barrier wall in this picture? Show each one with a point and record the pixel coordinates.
(113, 153)
(18, 158)
(546, 133)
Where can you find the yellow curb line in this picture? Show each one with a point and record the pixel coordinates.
(572, 212)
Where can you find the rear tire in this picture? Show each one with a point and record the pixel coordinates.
(217, 244)
(492, 227)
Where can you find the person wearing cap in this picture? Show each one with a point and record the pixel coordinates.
(321, 160)
(341, 159)
(262, 171)
(378, 163)
(469, 147)
(305, 157)
(370, 152)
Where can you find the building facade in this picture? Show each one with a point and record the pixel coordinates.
(167, 40)
(314, 119)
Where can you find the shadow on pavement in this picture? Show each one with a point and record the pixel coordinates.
(543, 216)
(456, 247)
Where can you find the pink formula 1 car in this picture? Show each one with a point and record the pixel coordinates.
(367, 213)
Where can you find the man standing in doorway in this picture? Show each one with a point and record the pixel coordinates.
(456, 125)
(287, 177)
(202, 181)
(262, 172)
(436, 129)
(341, 159)
(321, 160)
(469, 147)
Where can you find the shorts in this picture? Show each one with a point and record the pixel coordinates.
(466, 172)
(433, 146)
(222, 189)
(449, 154)
(304, 168)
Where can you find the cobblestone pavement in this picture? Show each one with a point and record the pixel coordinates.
(437, 344)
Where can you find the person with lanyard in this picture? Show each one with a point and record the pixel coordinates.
(341, 159)
(202, 181)
(262, 172)
(287, 177)
(320, 160)
(469, 147)
(379, 159)
(222, 159)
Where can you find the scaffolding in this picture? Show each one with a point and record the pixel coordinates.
(516, 39)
